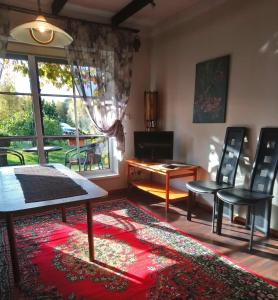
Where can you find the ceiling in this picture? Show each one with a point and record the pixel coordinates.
(150, 17)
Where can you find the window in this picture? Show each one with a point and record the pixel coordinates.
(67, 131)
(17, 126)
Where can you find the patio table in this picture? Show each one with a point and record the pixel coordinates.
(46, 149)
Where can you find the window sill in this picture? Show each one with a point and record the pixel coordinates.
(98, 175)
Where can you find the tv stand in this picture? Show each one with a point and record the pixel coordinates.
(169, 171)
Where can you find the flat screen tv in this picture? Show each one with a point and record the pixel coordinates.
(153, 146)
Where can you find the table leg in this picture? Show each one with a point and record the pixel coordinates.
(195, 175)
(46, 156)
(64, 214)
(167, 192)
(90, 231)
(14, 257)
(128, 177)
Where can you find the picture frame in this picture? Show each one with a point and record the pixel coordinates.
(211, 90)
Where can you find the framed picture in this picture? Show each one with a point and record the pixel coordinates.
(211, 88)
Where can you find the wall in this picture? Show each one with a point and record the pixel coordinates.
(248, 31)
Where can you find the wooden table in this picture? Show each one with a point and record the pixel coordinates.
(46, 149)
(164, 191)
(12, 203)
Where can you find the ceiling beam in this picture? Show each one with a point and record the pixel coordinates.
(129, 10)
(57, 6)
(49, 15)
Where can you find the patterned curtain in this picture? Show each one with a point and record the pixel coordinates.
(101, 62)
(4, 35)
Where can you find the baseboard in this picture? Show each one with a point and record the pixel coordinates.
(117, 193)
(204, 206)
(241, 221)
(237, 219)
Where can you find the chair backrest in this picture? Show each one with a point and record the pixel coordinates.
(5, 151)
(233, 142)
(266, 162)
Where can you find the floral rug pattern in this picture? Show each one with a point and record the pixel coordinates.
(137, 256)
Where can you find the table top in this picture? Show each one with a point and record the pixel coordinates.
(45, 148)
(12, 197)
(161, 168)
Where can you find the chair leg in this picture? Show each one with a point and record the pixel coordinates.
(214, 212)
(253, 214)
(247, 222)
(219, 216)
(232, 214)
(269, 206)
(189, 205)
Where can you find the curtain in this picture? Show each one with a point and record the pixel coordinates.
(101, 62)
(4, 35)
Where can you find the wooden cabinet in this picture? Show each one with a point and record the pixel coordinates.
(162, 190)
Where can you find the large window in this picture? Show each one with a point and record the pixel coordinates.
(38, 101)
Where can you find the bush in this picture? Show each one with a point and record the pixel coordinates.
(19, 124)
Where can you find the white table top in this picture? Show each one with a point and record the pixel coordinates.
(45, 148)
(12, 197)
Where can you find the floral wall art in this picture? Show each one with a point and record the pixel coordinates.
(211, 86)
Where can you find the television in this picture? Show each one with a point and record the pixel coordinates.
(153, 145)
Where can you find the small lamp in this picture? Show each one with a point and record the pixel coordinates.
(151, 110)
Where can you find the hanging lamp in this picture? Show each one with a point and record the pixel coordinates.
(41, 33)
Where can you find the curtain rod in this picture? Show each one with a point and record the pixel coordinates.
(48, 15)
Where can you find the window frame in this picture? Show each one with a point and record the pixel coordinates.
(36, 96)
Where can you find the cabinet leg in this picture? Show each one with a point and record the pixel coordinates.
(167, 192)
(189, 205)
(128, 179)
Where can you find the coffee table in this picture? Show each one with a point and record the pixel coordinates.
(12, 203)
(168, 171)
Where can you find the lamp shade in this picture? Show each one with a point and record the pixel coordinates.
(41, 33)
(151, 110)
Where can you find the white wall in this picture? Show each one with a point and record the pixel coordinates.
(248, 31)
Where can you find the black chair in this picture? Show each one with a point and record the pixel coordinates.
(226, 173)
(5, 151)
(87, 157)
(261, 186)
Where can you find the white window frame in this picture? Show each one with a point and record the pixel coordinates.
(39, 137)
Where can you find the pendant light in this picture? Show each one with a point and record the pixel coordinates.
(41, 33)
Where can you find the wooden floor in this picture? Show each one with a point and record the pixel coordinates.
(234, 239)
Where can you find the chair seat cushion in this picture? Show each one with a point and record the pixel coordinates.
(206, 186)
(241, 196)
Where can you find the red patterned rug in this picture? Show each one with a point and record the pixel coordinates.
(137, 255)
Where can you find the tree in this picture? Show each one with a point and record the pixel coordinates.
(49, 109)
(63, 112)
(56, 74)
